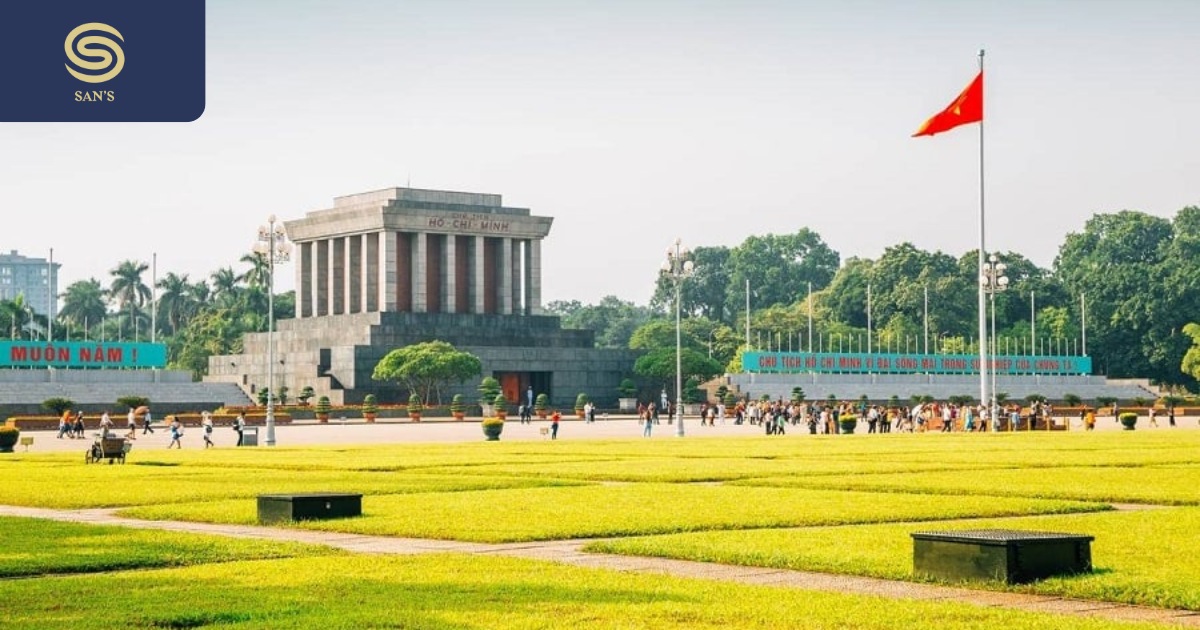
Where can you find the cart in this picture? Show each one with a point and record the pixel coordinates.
(108, 447)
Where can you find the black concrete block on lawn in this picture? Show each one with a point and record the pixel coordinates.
(1013, 556)
(279, 508)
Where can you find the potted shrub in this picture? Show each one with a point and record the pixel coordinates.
(58, 405)
(457, 409)
(1072, 400)
(415, 407)
(322, 409)
(541, 405)
(1129, 420)
(730, 400)
(581, 401)
(492, 426)
(798, 394)
(8, 438)
(370, 408)
(489, 387)
(627, 392)
(305, 394)
(500, 406)
(847, 422)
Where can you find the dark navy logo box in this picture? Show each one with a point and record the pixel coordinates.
(102, 61)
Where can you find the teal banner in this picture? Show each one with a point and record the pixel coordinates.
(82, 354)
(888, 363)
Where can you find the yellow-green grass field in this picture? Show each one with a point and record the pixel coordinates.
(842, 504)
(1140, 557)
(455, 592)
(1166, 485)
(35, 547)
(619, 510)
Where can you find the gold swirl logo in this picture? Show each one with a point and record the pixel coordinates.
(108, 51)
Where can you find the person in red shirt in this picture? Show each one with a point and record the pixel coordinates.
(554, 419)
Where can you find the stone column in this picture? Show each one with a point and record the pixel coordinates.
(478, 283)
(449, 267)
(518, 307)
(386, 264)
(419, 286)
(505, 288)
(304, 284)
(320, 275)
(337, 276)
(533, 275)
(354, 284)
(369, 277)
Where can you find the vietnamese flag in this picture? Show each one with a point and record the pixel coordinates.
(966, 109)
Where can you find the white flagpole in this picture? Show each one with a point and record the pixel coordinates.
(868, 319)
(983, 352)
(153, 297)
(927, 319)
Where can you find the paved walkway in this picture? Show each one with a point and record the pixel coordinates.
(570, 552)
(310, 433)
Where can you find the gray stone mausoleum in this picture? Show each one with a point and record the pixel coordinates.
(385, 269)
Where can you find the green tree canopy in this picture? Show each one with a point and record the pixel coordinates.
(425, 367)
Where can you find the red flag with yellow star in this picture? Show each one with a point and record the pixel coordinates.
(966, 109)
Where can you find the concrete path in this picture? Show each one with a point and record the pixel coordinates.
(355, 431)
(570, 552)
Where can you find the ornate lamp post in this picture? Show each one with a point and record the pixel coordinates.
(273, 245)
(993, 281)
(677, 267)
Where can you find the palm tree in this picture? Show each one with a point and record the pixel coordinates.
(83, 304)
(127, 286)
(175, 300)
(15, 314)
(225, 286)
(260, 268)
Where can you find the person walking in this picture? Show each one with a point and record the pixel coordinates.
(554, 419)
(647, 427)
(206, 425)
(146, 420)
(132, 422)
(239, 425)
(78, 426)
(176, 429)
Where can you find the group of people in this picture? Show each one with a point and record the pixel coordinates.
(73, 426)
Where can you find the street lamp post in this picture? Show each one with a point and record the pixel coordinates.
(273, 245)
(677, 267)
(994, 281)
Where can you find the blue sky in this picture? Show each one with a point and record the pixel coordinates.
(633, 123)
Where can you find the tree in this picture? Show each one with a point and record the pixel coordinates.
(612, 319)
(174, 303)
(226, 287)
(777, 266)
(659, 365)
(425, 367)
(127, 286)
(83, 304)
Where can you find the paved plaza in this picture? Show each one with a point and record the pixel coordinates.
(403, 431)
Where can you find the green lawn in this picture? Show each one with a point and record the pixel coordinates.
(37, 547)
(1137, 555)
(461, 592)
(620, 510)
(1167, 485)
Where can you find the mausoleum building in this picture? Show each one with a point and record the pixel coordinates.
(394, 267)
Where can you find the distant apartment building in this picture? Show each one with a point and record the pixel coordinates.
(35, 278)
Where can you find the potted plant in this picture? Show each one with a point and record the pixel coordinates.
(627, 392)
(1072, 400)
(457, 409)
(306, 393)
(847, 422)
(500, 406)
(489, 387)
(415, 407)
(1129, 420)
(541, 405)
(58, 405)
(581, 401)
(8, 438)
(797, 394)
(370, 408)
(322, 409)
(492, 426)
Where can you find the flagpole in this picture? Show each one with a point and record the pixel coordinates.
(983, 353)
